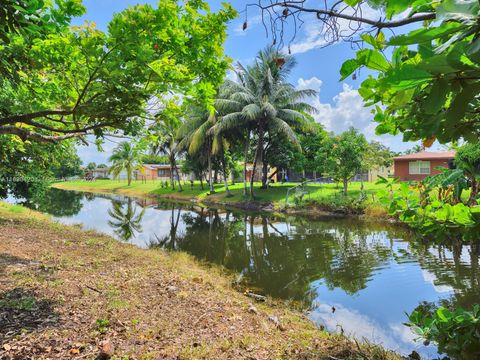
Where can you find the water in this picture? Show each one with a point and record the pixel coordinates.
(370, 273)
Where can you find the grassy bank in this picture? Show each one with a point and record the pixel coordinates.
(320, 196)
(68, 293)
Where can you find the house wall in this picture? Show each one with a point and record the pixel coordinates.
(383, 171)
(401, 169)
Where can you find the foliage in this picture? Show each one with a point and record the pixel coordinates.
(163, 136)
(467, 159)
(437, 217)
(27, 168)
(91, 165)
(125, 157)
(457, 332)
(429, 87)
(154, 159)
(343, 156)
(264, 102)
(61, 81)
(377, 155)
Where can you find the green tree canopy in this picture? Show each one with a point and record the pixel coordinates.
(60, 82)
(343, 156)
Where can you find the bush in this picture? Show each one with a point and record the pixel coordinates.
(457, 333)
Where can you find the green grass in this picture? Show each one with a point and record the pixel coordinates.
(322, 194)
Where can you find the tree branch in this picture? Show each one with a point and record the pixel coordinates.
(12, 119)
(26, 134)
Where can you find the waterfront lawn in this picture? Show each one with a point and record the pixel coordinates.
(275, 195)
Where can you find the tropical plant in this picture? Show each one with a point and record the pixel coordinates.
(197, 138)
(263, 102)
(428, 79)
(467, 159)
(125, 158)
(457, 333)
(169, 121)
(436, 217)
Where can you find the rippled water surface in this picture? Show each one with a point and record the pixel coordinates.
(370, 273)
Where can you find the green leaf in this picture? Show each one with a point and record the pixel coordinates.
(373, 59)
(425, 35)
(459, 105)
(352, 2)
(406, 77)
(348, 67)
(437, 97)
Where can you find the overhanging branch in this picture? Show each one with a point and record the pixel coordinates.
(26, 134)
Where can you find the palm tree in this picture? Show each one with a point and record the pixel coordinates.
(125, 157)
(263, 102)
(167, 144)
(196, 137)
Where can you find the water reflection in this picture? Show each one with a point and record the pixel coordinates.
(371, 273)
(125, 221)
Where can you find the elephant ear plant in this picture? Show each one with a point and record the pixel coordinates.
(456, 333)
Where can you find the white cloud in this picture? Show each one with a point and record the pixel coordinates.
(316, 34)
(252, 22)
(347, 110)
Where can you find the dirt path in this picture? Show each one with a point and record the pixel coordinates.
(66, 293)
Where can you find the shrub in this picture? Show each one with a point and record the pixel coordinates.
(457, 333)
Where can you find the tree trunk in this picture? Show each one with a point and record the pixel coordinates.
(210, 180)
(129, 177)
(225, 177)
(345, 186)
(245, 159)
(264, 173)
(258, 152)
(472, 200)
(178, 176)
(201, 182)
(172, 180)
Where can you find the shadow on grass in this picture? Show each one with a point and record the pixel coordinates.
(20, 309)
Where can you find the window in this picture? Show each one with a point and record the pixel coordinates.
(163, 173)
(419, 167)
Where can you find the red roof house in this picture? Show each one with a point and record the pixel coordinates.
(416, 167)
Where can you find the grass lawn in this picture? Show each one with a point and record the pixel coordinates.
(276, 195)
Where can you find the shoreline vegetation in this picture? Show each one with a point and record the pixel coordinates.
(318, 199)
(72, 293)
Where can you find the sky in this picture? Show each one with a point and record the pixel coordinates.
(339, 104)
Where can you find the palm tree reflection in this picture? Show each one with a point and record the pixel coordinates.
(125, 220)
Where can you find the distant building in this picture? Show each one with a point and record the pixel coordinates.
(383, 171)
(159, 172)
(416, 167)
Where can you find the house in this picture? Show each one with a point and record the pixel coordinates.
(383, 171)
(158, 172)
(416, 167)
(272, 172)
(98, 173)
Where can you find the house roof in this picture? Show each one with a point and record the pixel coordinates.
(426, 155)
(159, 166)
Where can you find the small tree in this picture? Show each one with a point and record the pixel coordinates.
(125, 157)
(91, 166)
(468, 159)
(345, 156)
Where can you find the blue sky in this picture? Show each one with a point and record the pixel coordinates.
(338, 103)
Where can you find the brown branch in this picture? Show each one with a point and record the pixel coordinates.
(333, 13)
(12, 119)
(26, 134)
